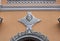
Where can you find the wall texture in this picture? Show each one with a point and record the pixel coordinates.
(48, 25)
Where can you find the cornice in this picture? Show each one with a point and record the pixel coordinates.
(8, 8)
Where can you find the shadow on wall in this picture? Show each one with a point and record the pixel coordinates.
(58, 25)
(1, 19)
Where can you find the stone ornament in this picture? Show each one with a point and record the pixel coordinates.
(29, 20)
(34, 35)
(1, 19)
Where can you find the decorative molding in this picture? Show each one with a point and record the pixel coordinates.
(29, 20)
(13, 8)
(9, 8)
(35, 35)
(31, 1)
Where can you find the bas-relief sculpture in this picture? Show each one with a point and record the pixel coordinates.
(29, 35)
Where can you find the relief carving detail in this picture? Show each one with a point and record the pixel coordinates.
(29, 20)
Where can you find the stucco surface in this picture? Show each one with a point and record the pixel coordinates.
(48, 25)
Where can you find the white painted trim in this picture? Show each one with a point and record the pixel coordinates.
(3, 8)
(30, 9)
